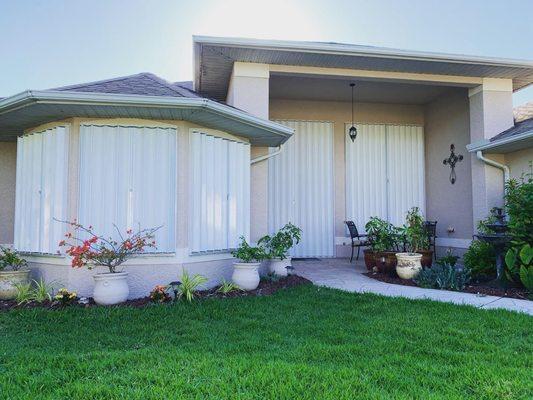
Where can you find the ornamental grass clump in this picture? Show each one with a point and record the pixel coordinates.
(94, 249)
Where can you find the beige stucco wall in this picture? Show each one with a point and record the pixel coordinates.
(8, 159)
(447, 121)
(519, 162)
(340, 113)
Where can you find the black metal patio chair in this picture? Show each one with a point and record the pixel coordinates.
(358, 240)
(431, 230)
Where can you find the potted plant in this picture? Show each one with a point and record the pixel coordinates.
(278, 245)
(109, 287)
(415, 241)
(246, 270)
(13, 272)
(383, 237)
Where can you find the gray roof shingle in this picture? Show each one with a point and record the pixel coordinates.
(145, 83)
(519, 127)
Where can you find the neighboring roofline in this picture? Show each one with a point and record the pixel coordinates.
(495, 145)
(353, 49)
(29, 97)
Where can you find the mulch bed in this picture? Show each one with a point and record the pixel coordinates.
(489, 288)
(266, 287)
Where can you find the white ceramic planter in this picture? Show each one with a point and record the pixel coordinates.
(8, 280)
(110, 288)
(246, 275)
(408, 265)
(279, 266)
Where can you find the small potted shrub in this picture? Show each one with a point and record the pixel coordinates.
(109, 287)
(278, 245)
(415, 239)
(383, 238)
(246, 270)
(13, 273)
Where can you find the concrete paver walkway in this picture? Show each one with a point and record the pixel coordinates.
(340, 274)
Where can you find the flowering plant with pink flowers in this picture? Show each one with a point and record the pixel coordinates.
(97, 250)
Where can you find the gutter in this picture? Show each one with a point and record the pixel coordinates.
(57, 97)
(503, 167)
(266, 156)
(488, 145)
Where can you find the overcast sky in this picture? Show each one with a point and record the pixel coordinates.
(51, 43)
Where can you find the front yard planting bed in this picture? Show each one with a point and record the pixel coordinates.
(267, 287)
(490, 288)
(301, 343)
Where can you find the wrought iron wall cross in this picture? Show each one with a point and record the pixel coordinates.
(451, 161)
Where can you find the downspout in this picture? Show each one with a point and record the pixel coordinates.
(493, 163)
(266, 156)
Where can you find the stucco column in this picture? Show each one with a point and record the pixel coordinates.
(248, 90)
(491, 112)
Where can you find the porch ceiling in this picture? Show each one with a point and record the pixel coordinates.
(214, 58)
(338, 89)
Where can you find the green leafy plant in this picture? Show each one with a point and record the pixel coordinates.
(249, 254)
(24, 293)
(228, 287)
(65, 297)
(188, 286)
(413, 232)
(383, 236)
(443, 276)
(159, 294)
(279, 244)
(520, 263)
(42, 291)
(519, 208)
(449, 259)
(480, 259)
(10, 259)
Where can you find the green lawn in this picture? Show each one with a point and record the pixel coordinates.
(302, 343)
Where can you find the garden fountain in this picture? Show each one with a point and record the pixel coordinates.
(498, 239)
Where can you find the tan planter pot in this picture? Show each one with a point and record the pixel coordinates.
(246, 275)
(8, 280)
(408, 265)
(385, 261)
(427, 258)
(370, 259)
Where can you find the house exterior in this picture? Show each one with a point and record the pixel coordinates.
(258, 139)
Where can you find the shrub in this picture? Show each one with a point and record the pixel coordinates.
(159, 294)
(414, 233)
(449, 259)
(520, 263)
(248, 254)
(443, 276)
(383, 236)
(279, 244)
(11, 259)
(65, 297)
(480, 259)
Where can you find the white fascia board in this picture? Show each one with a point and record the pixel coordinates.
(488, 145)
(358, 50)
(58, 97)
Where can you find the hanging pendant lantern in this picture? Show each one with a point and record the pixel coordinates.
(352, 132)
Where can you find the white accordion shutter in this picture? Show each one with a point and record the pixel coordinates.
(301, 187)
(384, 173)
(41, 190)
(220, 192)
(128, 179)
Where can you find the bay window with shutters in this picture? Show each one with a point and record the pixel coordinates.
(220, 193)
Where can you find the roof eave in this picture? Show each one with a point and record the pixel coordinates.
(57, 97)
(502, 145)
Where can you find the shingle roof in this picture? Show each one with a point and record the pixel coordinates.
(523, 112)
(145, 83)
(517, 129)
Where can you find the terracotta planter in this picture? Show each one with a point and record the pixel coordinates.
(246, 275)
(386, 261)
(409, 265)
(8, 280)
(111, 288)
(427, 258)
(370, 261)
